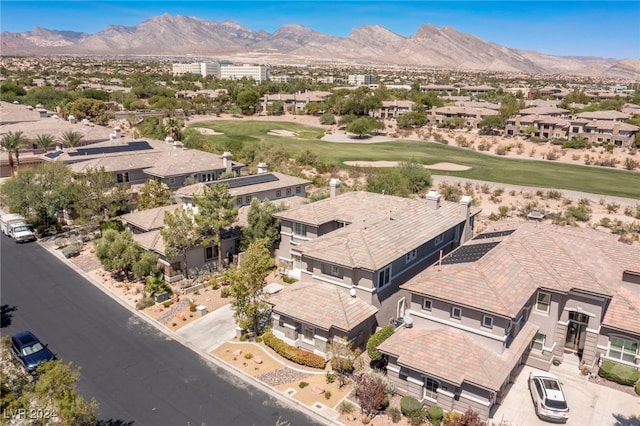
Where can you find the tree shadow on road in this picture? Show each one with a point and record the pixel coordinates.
(6, 313)
(622, 420)
(112, 422)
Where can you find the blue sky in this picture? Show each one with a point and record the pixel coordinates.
(587, 28)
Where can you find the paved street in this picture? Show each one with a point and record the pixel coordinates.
(138, 374)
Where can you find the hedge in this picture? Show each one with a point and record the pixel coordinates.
(297, 355)
(375, 340)
(619, 373)
(410, 407)
(434, 414)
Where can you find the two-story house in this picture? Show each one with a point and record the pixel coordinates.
(520, 293)
(362, 245)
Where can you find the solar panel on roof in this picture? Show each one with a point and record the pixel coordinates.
(469, 253)
(53, 154)
(249, 180)
(494, 234)
(129, 147)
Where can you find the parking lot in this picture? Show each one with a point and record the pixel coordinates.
(590, 404)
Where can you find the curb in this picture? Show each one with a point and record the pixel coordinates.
(278, 396)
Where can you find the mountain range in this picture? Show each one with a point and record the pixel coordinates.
(430, 47)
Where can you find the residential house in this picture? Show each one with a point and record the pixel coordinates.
(393, 109)
(470, 116)
(520, 293)
(364, 245)
(546, 111)
(294, 103)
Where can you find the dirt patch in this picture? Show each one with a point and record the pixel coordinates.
(436, 166)
(250, 358)
(344, 137)
(317, 391)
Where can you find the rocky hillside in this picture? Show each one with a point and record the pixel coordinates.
(430, 46)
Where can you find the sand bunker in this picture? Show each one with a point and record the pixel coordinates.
(452, 167)
(281, 133)
(206, 131)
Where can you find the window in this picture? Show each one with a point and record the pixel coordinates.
(239, 201)
(248, 200)
(543, 302)
(384, 277)
(335, 271)
(278, 193)
(538, 341)
(299, 229)
(431, 388)
(622, 349)
(122, 177)
(210, 253)
(487, 321)
(439, 239)
(288, 191)
(298, 189)
(426, 304)
(456, 312)
(411, 255)
(308, 333)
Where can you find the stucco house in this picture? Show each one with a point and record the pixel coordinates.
(364, 245)
(521, 293)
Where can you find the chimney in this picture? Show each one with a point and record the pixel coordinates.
(226, 161)
(465, 209)
(334, 187)
(262, 168)
(433, 199)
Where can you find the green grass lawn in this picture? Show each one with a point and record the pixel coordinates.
(539, 173)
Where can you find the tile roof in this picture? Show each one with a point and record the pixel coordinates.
(374, 236)
(149, 219)
(179, 162)
(282, 181)
(151, 240)
(603, 115)
(534, 256)
(322, 305)
(455, 356)
(543, 110)
(610, 125)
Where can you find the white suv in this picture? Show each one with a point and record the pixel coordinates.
(548, 398)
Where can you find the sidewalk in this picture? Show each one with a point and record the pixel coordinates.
(210, 331)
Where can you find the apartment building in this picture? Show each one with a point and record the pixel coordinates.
(361, 79)
(354, 250)
(258, 73)
(521, 293)
(201, 68)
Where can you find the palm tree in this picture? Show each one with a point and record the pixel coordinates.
(12, 142)
(71, 138)
(45, 141)
(173, 128)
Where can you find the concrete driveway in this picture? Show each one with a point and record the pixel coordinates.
(590, 404)
(210, 331)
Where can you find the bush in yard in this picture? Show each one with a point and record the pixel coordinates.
(145, 302)
(71, 250)
(297, 355)
(638, 388)
(619, 373)
(375, 340)
(394, 413)
(345, 407)
(434, 414)
(303, 385)
(410, 407)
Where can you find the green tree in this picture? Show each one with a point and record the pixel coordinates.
(40, 193)
(328, 118)
(261, 223)
(247, 282)
(173, 128)
(510, 106)
(491, 122)
(11, 143)
(146, 265)
(71, 138)
(412, 119)
(275, 108)
(248, 101)
(117, 252)
(408, 178)
(154, 194)
(45, 141)
(99, 197)
(216, 212)
(90, 109)
(364, 125)
(179, 235)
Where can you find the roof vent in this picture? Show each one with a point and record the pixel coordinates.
(408, 321)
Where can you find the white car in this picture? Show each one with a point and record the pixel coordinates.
(548, 398)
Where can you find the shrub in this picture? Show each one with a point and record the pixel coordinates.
(297, 355)
(145, 302)
(243, 337)
(112, 224)
(166, 303)
(248, 355)
(410, 407)
(225, 292)
(638, 388)
(303, 385)
(394, 413)
(327, 395)
(345, 407)
(289, 280)
(452, 418)
(258, 339)
(375, 340)
(434, 414)
(619, 373)
(330, 378)
(71, 250)
(192, 307)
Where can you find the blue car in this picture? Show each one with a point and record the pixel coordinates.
(30, 351)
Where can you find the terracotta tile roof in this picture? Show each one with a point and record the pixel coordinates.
(374, 236)
(322, 305)
(120, 163)
(610, 125)
(179, 162)
(534, 256)
(624, 311)
(151, 240)
(543, 110)
(603, 115)
(149, 219)
(455, 356)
